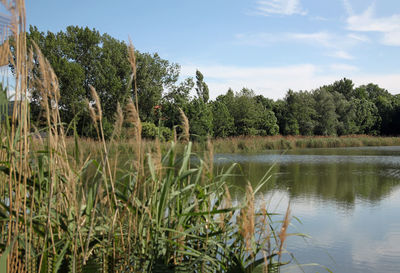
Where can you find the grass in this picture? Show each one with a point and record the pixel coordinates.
(258, 144)
(72, 205)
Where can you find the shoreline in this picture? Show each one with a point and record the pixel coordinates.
(267, 143)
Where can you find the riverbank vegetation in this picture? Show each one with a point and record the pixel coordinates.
(256, 144)
(63, 209)
(248, 144)
(82, 57)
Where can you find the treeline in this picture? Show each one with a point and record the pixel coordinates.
(82, 58)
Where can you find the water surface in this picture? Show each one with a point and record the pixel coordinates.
(348, 200)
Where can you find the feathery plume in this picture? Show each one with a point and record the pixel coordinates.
(185, 126)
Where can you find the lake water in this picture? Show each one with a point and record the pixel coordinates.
(348, 200)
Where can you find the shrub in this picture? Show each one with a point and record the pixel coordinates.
(149, 130)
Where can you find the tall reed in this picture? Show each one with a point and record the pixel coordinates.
(102, 210)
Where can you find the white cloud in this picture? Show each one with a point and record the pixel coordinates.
(391, 38)
(319, 18)
(347, 7)
(343, 67)
(325, 39)
(358, 37)
(282, 7)
(322, 38)
(341, 54)
(368, 22)
(273, 82)
(336, 45)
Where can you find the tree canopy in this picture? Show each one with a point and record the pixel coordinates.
(82, 57)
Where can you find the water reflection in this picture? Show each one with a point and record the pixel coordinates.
(345, 179)
(347, 199)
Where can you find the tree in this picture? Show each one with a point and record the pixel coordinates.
(200, 112)
(367, 116)
(245, 113)
(346, 115)
(200, 119)
(344, 87)
(177, 97)
(326, 113)
(154, 76)
(223, 122)
(265, 102)
(267, 123)
(201, 87)
(297, 113)
(383, 101)
(81, 57)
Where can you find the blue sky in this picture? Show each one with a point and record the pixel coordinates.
(266, 45)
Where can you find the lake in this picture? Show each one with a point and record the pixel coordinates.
(348, 200)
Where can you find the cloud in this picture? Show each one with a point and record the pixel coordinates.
(264, 39)
(368, 22)
(274, 82)
(347, 7)
(319, 18)
(341, 54)
(343, 67)
(337, 45)
(322, 38)
(282, 7)
(358, 37)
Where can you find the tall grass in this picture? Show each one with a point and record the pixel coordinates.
(258, 144)
(68, 209)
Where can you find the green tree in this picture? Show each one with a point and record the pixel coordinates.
(200, 119)
(346, 115)
(81, 57)
(296, 113)
(367, 116)
(244, 112)
(326, 113)
(177, 97)
(343, 86)
(383, 101)
(154, 76)
(267, 123)
(223, 122)
(201, 87)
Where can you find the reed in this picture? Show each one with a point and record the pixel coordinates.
(76, 205)
(259, 144)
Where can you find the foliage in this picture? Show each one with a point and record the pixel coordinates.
(176, 98)
(200, 119)
(149, 130)
(154, 75)
(82, 58)
(223, 122)
(201, 87)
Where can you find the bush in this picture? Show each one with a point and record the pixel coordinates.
(149, 130)
(165, 133)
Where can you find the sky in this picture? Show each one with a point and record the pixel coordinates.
(269, 46)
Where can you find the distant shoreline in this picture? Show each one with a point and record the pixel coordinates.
(266, 143)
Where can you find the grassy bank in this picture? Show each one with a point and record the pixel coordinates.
(259, 144)
(242, 144)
